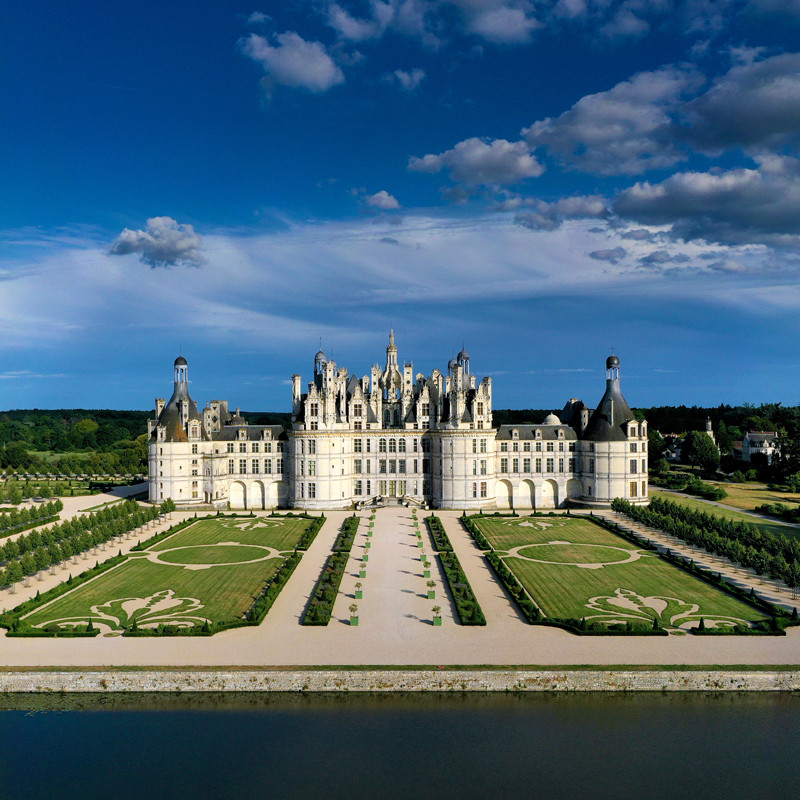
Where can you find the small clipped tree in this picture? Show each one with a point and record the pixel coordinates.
(431, 589)
(353, 614)
(437, 615)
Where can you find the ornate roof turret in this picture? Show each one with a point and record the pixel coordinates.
(607, 421)
(181, 409)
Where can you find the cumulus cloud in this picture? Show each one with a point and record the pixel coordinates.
(613, 255)
(408, 80)
(625, 24)
(383, 200)
(359, 30)
(503, 25)
(545, 216)
(479, 162)
(756, 104)
(625, 130)
(164, 242)
(293, 62)
(257, 18)
(733, 206)
(637, 235)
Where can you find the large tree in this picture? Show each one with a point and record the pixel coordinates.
(700, 451)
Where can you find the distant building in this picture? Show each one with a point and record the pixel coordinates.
(760, 443)
(396, 436)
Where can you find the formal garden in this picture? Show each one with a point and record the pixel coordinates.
(199, 577)
(575, 573)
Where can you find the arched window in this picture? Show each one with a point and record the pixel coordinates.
(392, 446)
(382, 446)
(401, 446)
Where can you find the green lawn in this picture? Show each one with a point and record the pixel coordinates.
(600, 589)
(208, 587)
(697, 504)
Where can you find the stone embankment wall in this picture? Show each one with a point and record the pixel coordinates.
(390, 680)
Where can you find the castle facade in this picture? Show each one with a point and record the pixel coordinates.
(393, 436)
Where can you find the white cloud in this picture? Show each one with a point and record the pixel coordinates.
(625, 130)
(478, 162)
(734, 206)
(293, 62)
(383, 200)
(755, 105)
(359, 30)
(546, 216)
(407, 80)
(625, 24)
(164, 242)
(257, 18)
(504, 25)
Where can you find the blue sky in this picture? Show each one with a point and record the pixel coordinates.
(539, 180)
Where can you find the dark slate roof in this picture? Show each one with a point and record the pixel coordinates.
(527, 432)
(170, 417)
(180, 361)
(230, 433)
(605, 424)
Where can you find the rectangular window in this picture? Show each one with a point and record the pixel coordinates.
(356, 445)
(503, 465)
(561, 447)
(357, 488)
(515, 464)
(268, 447)
(483, 445)
(369, 445)
(256, 447)
(426, 409)
(401, 465)
(549, 447)
(633, 447)
(382, 466)
(255, 465)
(416, 470)
(357, 465)
(312, 490)
(572, 464)
(571, 447)
(474, 489)
(526, 447)
(591, 465)
(483, 488)
(369, 487)
(313, 409)
(312, 468)
(633, 488)
(560, 464)
(230, 466)
(480, 409)
(242, 447)
(278, 465)
(194, 449)
(550, 464)
(357, 425)
(644, 488)
(526, 465)
(268, 466)
(381, 487)
(242, 466)
(314, 425)
(302, 490)
(644, 465)
(634, 465)
(194, 472)
(483, 466)
(302, 467)
(538, 447)
(230, 447)
(416, 445)
(312, 447)
(369, 468)
(474, 467)
(474, 445)
(392, 465)
(503, 447)
(515, 447)
(356, 409)
(538, 464)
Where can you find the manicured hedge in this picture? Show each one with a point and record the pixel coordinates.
(320, 607)
(344, 541)
(527, 607)
(472, 529)
(311, 532)
(469, 610)
(441, 541)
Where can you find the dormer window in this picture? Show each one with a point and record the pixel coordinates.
(515, 434)
(538, 434)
